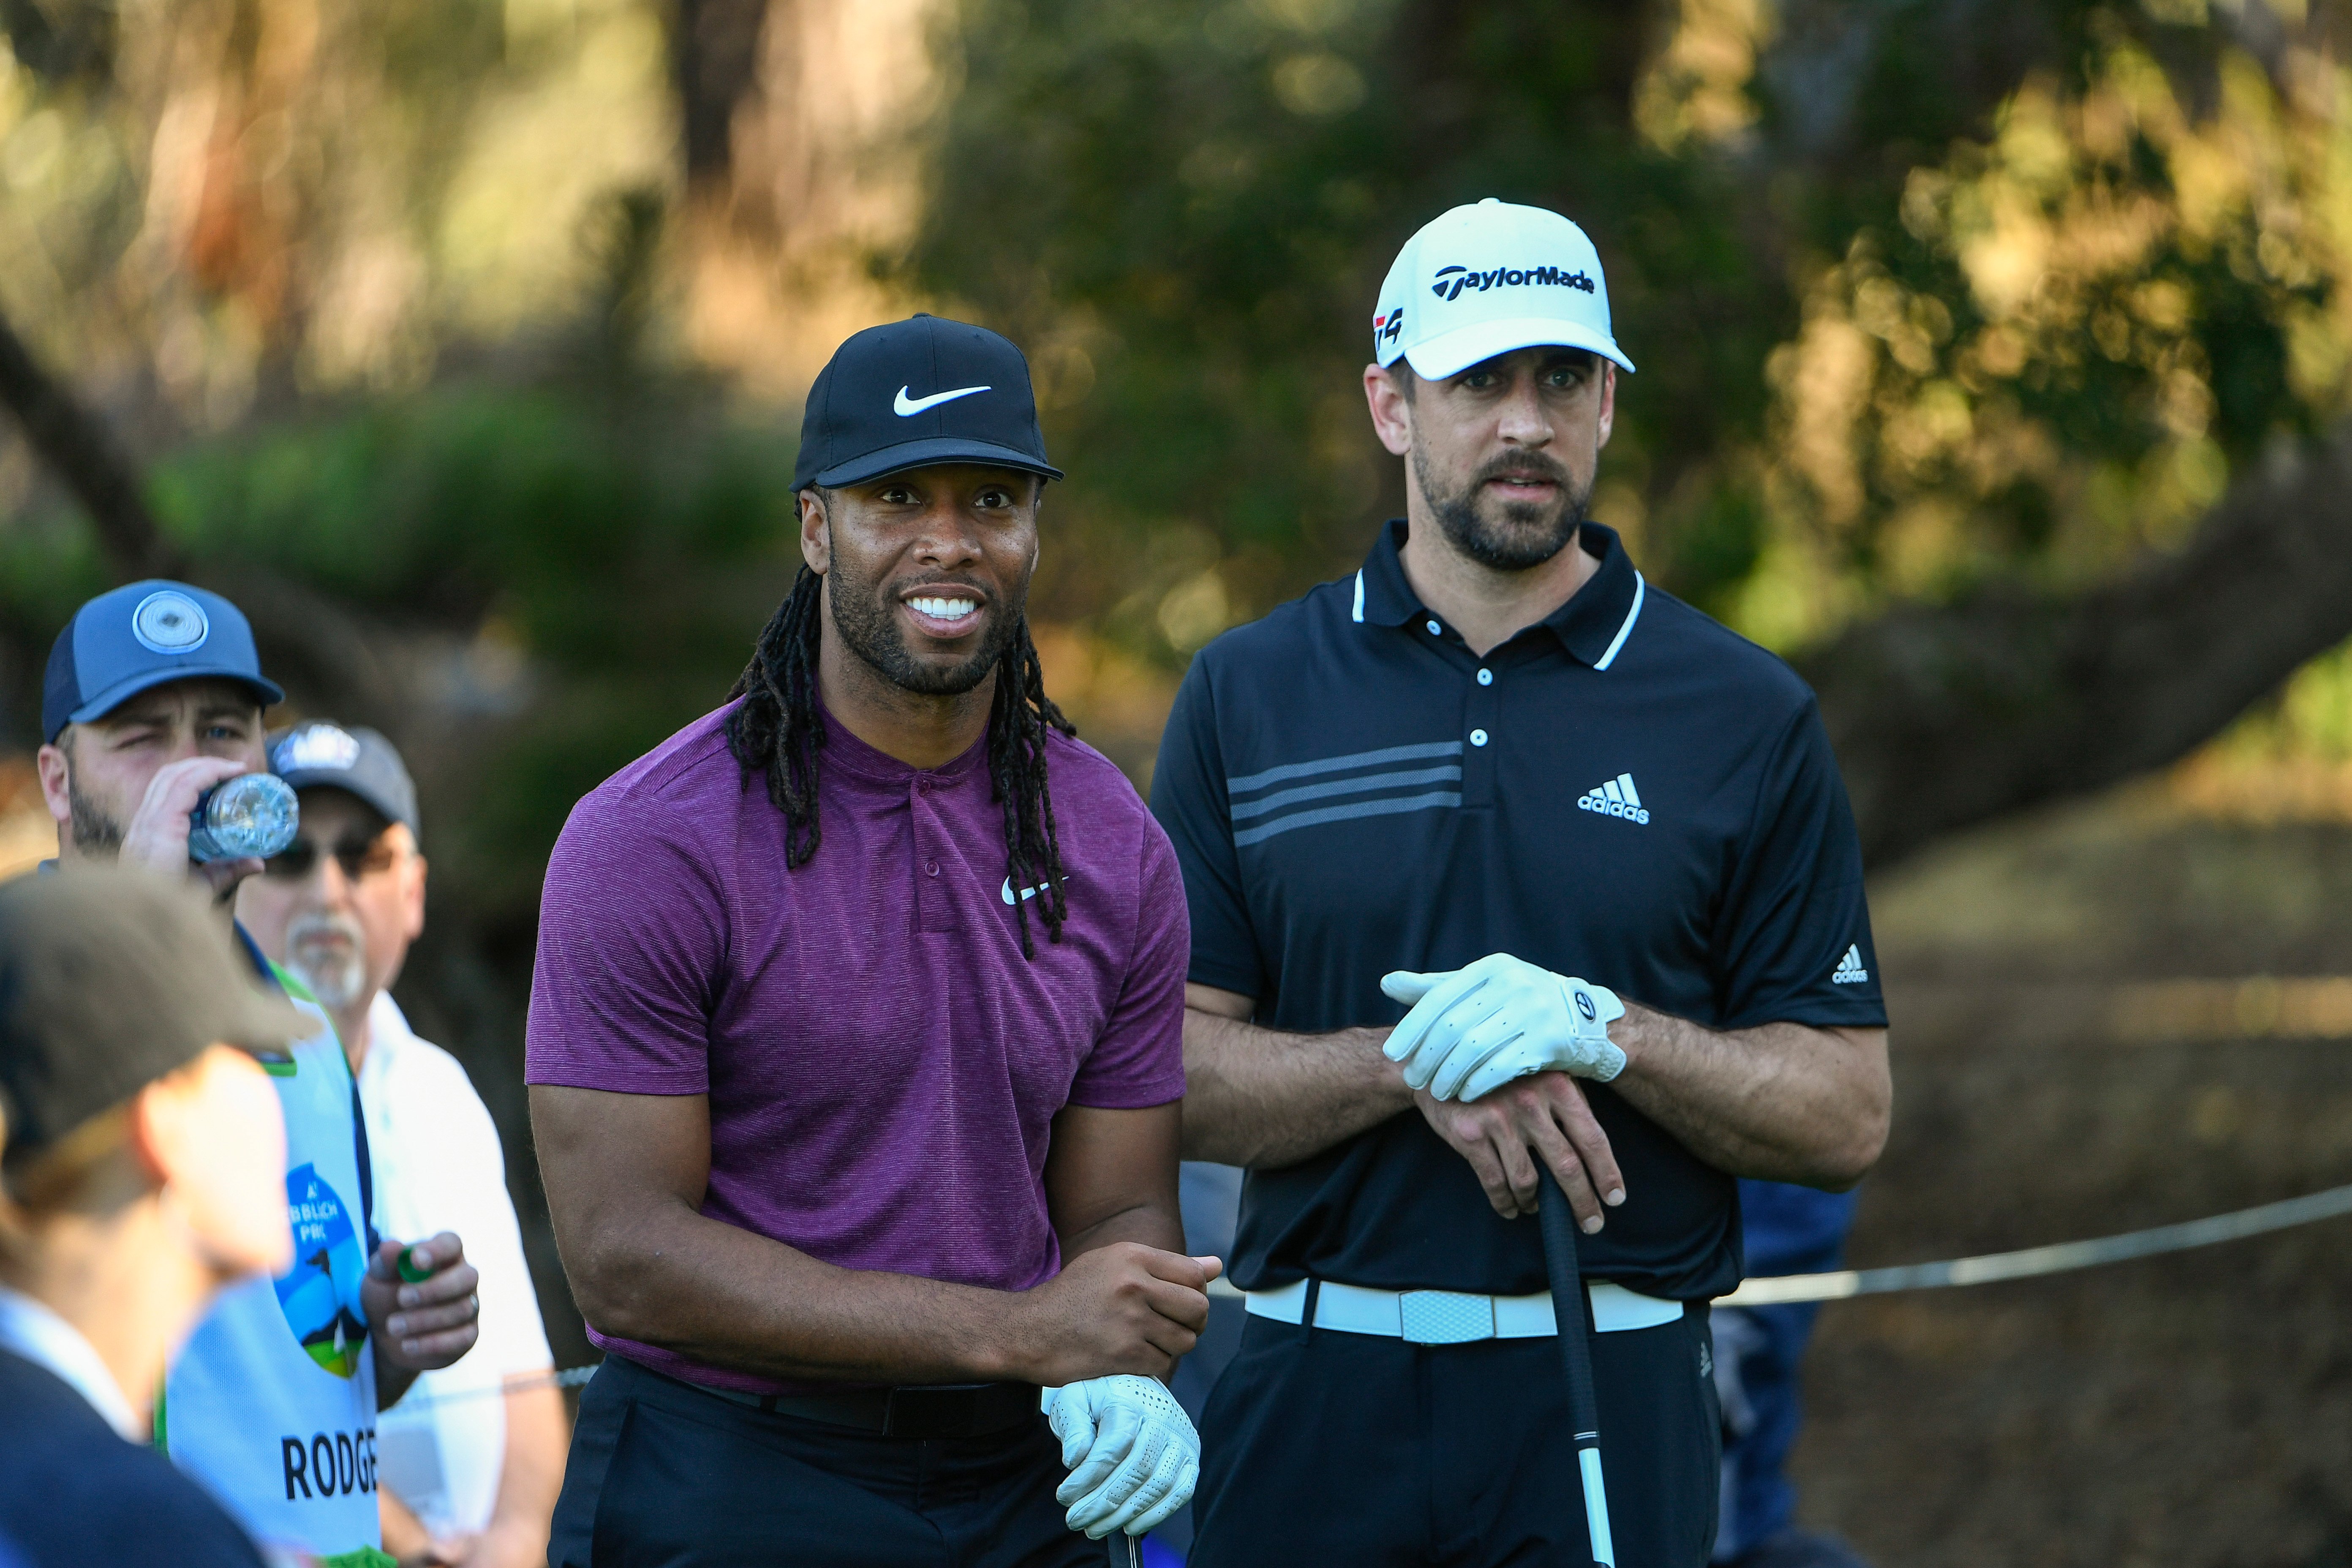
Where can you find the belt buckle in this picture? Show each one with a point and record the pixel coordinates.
(1445, 1317)
(952, 1411)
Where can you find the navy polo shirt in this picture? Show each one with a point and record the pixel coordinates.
(1627, 791)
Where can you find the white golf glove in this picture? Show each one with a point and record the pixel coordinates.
(1133, 1455)
(1474, 1029)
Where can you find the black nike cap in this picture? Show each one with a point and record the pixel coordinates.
(916, 393)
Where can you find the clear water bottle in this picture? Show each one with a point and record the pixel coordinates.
(252, 814)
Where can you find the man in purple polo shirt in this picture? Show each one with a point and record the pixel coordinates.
(855, 1051)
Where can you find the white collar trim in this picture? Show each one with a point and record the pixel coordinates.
(33, 1331)
(1633, 614)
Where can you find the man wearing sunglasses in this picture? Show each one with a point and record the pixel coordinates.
(154, 694)
(462, 1472)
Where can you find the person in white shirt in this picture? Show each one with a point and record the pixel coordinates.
(142, 1163)
(468, 1464)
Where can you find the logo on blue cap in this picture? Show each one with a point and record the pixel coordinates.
(169, 621)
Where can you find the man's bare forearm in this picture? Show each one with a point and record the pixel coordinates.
(1149, 1224)
(626, 1176)
(723, 1296)
(1264, 1099)
(1782, 1102)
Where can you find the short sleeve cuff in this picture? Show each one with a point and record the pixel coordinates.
(1242, 980)
(1815, 1013)
(648, 1080)
(1141, 1096)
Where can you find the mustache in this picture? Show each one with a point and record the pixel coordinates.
(310, 926)
(906, 585)
(1522, 466)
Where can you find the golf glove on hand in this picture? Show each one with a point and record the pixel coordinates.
(1475, 1029)
(1133, 1455)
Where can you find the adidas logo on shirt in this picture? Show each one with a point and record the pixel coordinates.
(1850, 971)
(1616, 798)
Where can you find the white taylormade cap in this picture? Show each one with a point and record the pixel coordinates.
(1483, 279)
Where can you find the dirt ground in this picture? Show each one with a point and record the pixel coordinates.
(2054, 1081)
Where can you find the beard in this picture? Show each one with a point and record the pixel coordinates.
(336, 972)
(1524, 535)
(862, 615)
(95, 832)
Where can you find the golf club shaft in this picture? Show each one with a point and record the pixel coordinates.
(1568, 1305)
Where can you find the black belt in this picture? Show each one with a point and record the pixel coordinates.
(947, 1410)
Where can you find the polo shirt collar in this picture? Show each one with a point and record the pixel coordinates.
(1383, 597)
(1592, 626)
(853, 756)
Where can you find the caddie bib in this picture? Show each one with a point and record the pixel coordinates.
(271, 1405)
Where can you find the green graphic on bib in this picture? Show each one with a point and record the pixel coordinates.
(320, 1294)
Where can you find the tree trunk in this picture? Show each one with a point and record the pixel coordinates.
(714, 64)
(1946, 717)
(79, 451)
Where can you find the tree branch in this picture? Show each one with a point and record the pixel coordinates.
(1945, 717)
(714, 68)
(79, 451)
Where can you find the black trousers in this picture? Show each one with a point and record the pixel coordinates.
(662, 1473)
(1324, 1446)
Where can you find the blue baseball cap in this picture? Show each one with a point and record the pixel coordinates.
(917, 393)
(144, 635)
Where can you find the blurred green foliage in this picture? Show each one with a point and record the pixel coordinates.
(1925, 294)
(598, 547)
(1917, 299)
(1184, 210)
(603, 559)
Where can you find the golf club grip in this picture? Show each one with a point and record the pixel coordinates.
(1567, 1302)
(1573, 1312)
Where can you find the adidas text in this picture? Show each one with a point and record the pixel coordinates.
(1618, 797)
(1850, 971)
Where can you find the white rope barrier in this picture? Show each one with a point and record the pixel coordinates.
(2028, 1263)
(2059, 1258)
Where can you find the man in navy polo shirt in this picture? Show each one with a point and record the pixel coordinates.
(855, 1051)
(1493, 774)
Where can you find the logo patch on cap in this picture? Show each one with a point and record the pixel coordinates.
(316, 746)
(1451, 281)
(167, 621)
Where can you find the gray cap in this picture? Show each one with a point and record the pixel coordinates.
(354, 759)
(109, 980)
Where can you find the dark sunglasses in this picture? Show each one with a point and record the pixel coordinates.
(359, 857)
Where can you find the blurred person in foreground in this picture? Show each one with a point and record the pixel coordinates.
(466, 1474)
(141, 1158)
(855, 1050)
(1433, 816)
(154, 694)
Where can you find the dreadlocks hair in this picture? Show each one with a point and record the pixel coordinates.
(777, 731)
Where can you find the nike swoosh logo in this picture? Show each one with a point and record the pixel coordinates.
(1027, 893)
(908, 407)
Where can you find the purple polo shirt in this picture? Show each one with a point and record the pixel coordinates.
(883, 1066)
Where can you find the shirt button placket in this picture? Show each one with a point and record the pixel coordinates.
(1479, 716)
(934, 901)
